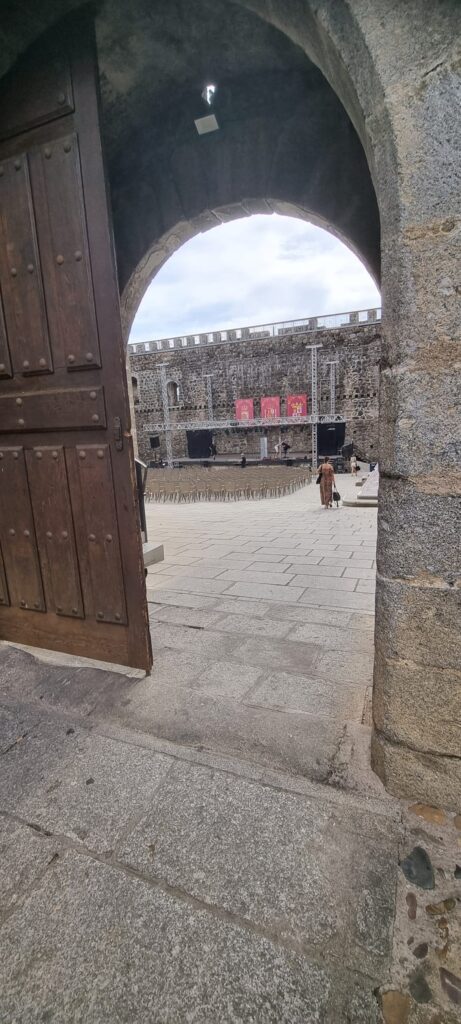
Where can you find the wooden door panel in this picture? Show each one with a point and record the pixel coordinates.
(63, 409)
(4, 598)
(36, 91)
(46, 471)
(20, 271)
(61, 224)
(17, 532)
(69, 524)
(5, 361)
(92, 492)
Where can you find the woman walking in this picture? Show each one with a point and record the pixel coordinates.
(327, 482)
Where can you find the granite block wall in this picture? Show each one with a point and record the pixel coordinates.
(279, 365)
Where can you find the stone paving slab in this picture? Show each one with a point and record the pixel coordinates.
(245, 626)
(94, 946)
(285, 543)
(265, 592)
(179, 559)
(365, 587)
(309, 694)
(294, 554)
(311, 614)
(270, 557)
(364, 621)
(335, 599)
(169, 568)
(16, 722)
(340, 560)
(269, 567)
(171, 665)
(272, 654)
(202, 571)
(228, 561)
(354, 667)
(67, 686)
(250, 546)
(324, 583)
(25, 855)
(186, 584)
(203, 720)
(358, 572)
(173, 597)
(304, 569)
(199, 618)
(225, 679)
(265, 577)
(338, 639)
(281, 872)
(234, 606)
(158, 581)
(71, 782)
(206, 642)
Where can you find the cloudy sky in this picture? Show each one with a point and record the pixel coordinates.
(256, 270)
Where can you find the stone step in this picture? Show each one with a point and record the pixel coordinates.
(152, 553)
(360, 502)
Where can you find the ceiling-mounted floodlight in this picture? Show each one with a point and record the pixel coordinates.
(209, 93)
(206, 124)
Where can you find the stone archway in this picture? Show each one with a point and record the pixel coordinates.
(163, 248)
(400, 91)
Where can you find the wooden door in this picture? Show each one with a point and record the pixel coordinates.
(71, 570)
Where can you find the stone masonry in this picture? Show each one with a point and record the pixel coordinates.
(278, 365)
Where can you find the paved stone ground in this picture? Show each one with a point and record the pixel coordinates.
(262, 619)
(209, 843)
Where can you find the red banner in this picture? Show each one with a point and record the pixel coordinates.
(296, 405)
(270, 408)
(244, 409)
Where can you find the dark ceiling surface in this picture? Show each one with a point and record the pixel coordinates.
(156, 55)
(283, 133)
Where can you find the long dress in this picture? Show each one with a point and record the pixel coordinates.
(326, 483)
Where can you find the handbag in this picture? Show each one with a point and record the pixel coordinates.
(336, 496)
(318, 478)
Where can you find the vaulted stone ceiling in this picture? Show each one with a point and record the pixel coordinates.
(155, 58)
(283, 137)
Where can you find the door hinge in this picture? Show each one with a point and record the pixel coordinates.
(118, 434)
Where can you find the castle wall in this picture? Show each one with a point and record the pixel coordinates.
(279, 365)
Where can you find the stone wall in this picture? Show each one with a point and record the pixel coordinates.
(252, 369)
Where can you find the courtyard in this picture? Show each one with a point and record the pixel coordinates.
(209, 843)
(263, 612)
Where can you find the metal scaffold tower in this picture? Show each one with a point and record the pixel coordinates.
(314, 403)
(166, 415)
(259, 421)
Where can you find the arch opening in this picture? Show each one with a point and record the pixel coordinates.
(262, 269)
(173, 393)
(236, 296)
(162, 250)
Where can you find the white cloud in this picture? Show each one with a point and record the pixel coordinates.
(257, 270)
